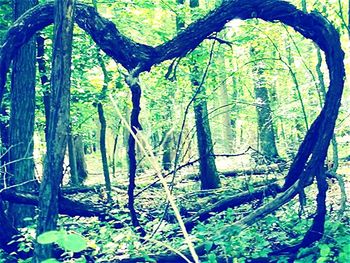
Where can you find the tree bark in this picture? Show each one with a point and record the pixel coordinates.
(228, 134)
(103, 151)
(58, 124)
(74, 180)
(103, 123)
(133, 82)
(266, 133)
(80, 159)
(208, 173)
(21, 128)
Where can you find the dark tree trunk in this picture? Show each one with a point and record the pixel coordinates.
(21, 129)
(135, 88)
(209, 176)
(103, 122)
(58, 124)
(114, 153)
(104, 150)
(266, 133)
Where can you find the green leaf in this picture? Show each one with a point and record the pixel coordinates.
(208, 245)
(50, 260)
(73, 243)
(325, 250)
(49, 237)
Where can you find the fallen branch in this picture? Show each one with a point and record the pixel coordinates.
(236, 200)
(263, 169)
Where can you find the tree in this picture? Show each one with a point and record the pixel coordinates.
(208, 173)
(21, 126)
(58, 124)
(266, 133)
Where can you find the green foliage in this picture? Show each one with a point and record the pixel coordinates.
(68, 241)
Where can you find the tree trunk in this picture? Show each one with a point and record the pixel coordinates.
(227, 129)
(80, 159)
(103, 124)
(167, 153)
(58, 124)
(135, 125)
(266, 132)
(104, 151)
(208, 174)
(21, 128)
(74, 180)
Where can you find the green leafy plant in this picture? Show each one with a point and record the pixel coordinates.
(70, 242)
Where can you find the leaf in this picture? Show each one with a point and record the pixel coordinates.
(325, 250)
(208, 245)
(50, 260)
(73, 243)
(49, 237)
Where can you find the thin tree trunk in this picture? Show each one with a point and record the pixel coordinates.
(58, 125)
(135, 88)
(115, 148)
(102, 119)
(21, 128)
(72, 159)
(104, 150)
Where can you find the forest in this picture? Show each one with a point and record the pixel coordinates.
(175, 131)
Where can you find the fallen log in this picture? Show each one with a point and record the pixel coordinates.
(66, 205)
(262, 169)
(233, 201)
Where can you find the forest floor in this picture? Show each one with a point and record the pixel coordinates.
(286, 226)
